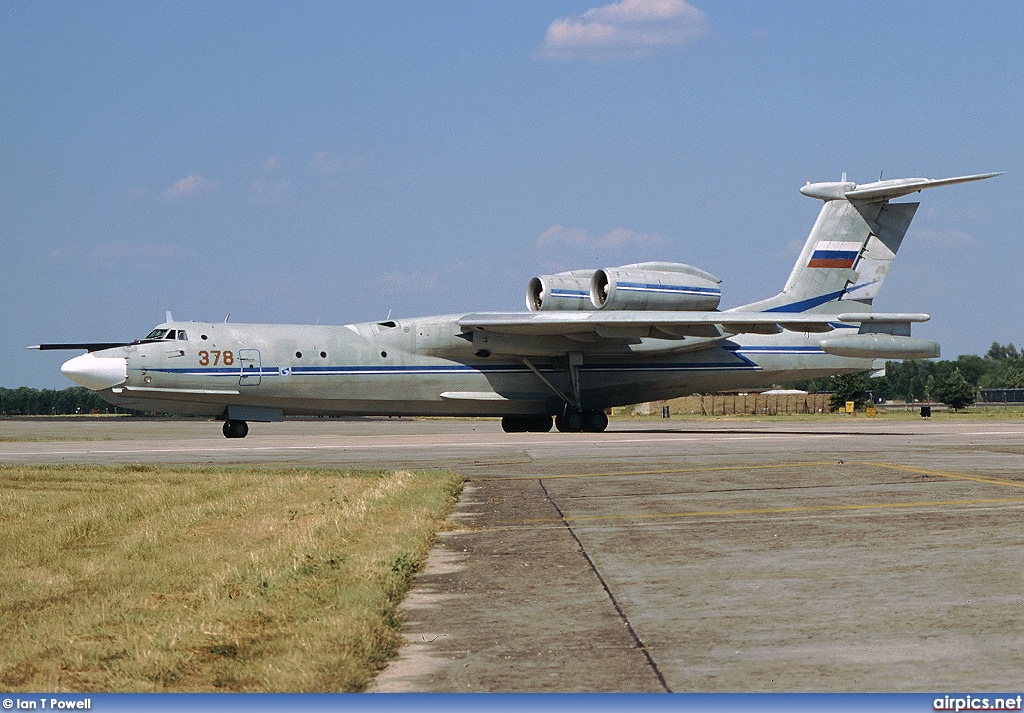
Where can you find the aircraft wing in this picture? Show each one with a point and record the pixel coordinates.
(618, 324)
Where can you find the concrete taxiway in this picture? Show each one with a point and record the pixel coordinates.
(856, 555)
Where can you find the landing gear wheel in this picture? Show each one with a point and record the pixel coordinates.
(512, 424)
(540, 424)
(235, 429)
(570, 422)
(523, 424)
(594, 421)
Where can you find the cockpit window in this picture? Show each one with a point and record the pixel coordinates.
(182, 337)
(170, 334)
(156, 334)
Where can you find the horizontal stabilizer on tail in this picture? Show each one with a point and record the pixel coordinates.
(884, 190)
(905, 186)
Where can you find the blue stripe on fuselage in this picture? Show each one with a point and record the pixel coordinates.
(741, 363)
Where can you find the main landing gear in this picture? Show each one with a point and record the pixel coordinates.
(235, 429)
(574, 420)
(526, 424)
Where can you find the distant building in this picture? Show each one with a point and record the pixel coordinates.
(1002, 396)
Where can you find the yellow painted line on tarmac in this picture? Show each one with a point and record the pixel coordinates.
(946, 474)
(768, 511)
(672, 471)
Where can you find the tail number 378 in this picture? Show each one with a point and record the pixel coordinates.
(218, 357)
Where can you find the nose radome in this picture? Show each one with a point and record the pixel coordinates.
(96, 373)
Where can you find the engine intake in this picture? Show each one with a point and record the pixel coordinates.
(655, 286)
(565, 291)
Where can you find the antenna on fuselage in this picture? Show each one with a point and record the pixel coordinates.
(388, 317)
(169, 317)
(227, 317)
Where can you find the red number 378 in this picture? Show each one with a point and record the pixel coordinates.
(219, 357)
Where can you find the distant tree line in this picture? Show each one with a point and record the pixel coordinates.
(952, 382)
(24, 401)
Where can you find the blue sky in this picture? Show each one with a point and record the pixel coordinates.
(334, 162)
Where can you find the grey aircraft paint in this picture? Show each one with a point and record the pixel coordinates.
(592, 339)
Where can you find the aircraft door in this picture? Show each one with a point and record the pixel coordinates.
(251, 366)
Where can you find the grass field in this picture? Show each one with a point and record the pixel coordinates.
(140, 578)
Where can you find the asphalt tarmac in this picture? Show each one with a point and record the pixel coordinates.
(851, 555)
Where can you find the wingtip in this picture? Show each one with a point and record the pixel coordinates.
(981, 176)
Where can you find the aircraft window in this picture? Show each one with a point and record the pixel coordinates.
(298, 355)
(182, 336)
(323, 355)
(170, 334)
(156, 334)
(390, 324)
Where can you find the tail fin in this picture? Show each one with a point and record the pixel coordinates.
(851, 246)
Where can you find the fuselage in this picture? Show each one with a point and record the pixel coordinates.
(425, 366)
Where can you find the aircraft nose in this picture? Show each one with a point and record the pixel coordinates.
(96, 373)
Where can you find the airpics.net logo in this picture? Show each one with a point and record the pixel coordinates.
(977, 703)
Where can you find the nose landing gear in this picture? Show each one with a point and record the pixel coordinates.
(235, 429)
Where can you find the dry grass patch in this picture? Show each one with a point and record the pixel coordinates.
(141, 578)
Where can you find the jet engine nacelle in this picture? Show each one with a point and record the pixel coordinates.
(655, 286)
(566, 291)
(641, 286)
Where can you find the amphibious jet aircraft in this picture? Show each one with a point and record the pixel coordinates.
(590, 340)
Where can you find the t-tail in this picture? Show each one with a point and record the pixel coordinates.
(852, 245)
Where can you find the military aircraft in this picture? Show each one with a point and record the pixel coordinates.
(590, 340)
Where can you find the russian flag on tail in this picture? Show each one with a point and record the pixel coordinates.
(828, 253)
